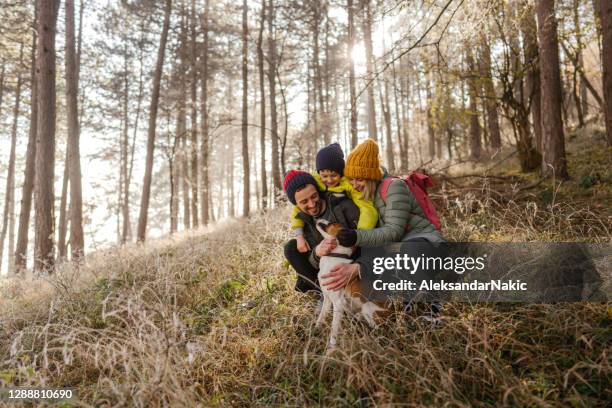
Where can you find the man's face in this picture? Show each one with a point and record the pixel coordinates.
(308, 200)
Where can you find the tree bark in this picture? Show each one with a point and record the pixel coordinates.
(45, 149)
(246, 173)
(125, 145)
(146, 189)
(532, 64)
(194, 177)
(405, 106)
(351, 62)
(28, 180)
(276, 176)
(9, 195)
(318, 80)
(177, 158)
(204, 147)
(262, 110)
(386, 110)
(367, 31)
(173, 163)
(185, 183)
(606, 29)
(553, 139)
(475, 140)
(490, 97)
(63, 212)
(398, 119)
(77, 245)
(583, 105)
(2, 85)
(431, 133)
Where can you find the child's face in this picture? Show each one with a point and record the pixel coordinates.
(330, 178)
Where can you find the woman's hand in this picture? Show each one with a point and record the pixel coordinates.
(339, 276)
(325, 247)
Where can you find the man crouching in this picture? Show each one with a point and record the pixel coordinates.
(301, 189)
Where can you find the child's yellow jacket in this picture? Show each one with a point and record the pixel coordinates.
(368, 216)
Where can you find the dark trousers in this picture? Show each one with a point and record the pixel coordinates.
(306, 273)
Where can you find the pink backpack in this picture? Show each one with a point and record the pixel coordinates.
(418, 183)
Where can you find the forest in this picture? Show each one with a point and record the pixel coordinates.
(205, 106)
(143, 149)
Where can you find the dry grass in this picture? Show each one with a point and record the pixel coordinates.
(210, 319)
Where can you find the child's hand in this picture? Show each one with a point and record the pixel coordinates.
(302, 244)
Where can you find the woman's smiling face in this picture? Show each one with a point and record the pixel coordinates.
(358, 184)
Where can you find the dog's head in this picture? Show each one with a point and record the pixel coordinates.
(328, 229)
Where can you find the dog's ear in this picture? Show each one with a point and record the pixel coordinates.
(333, 229)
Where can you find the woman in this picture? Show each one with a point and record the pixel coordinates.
(400, 216)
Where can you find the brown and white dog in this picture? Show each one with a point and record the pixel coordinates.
(348, 299)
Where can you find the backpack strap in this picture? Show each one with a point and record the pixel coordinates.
(384, 188)
(421, 180)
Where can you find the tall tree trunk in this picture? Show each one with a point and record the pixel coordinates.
(532, 64)
(351, 62)
(194, 177)
(367, 32)
(173, 163)
(77, 244)
(185, 185)
(62, 249)
(490, 97)
(232, 185)
(9, 195)
(597, 14)
(553, 141)
(177, 158)
(11, 229)
(283, 140)
(276, 176)
(475, 141)
(431, 133)
(127, 225)
(405, 106)
(45, 149)
(2, 74)
(583, 107)
(204, 147)
(246, 176)
(606, 29)
(146, 189)
(318, 76)
(28, 180)
(398, 119)
(386, 111)
(262, 110)
(125, 145)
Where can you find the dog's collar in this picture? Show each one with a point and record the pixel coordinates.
(344, 256)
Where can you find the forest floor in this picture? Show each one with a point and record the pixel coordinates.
(210, 317)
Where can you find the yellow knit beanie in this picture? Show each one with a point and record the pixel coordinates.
(363, 162)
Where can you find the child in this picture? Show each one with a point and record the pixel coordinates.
(329, 177)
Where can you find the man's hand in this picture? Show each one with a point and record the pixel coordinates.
(347, 237)
(339, 276)
(325, 247)
(302, 244)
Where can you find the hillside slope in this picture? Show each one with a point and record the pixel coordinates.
(210, 318)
